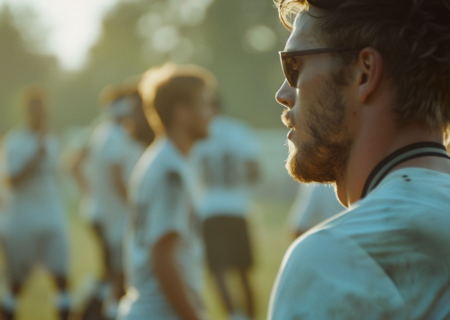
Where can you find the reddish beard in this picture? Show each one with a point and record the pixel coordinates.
(323, 156)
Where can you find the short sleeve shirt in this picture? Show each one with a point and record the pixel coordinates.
(162, 203)
(107, 147)
(39, 195)
(386, 257)
(222, 162)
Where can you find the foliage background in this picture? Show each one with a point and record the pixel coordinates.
(236, 39)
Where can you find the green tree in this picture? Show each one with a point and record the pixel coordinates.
(244, 36)
(116, 56)
(21, 64)
(236, 39)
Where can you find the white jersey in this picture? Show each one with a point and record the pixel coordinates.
(78, 143)
(222, 161)
(134, 150)
(107, 147)
(3, 194)
(162, 202)
(36, 224)
(36, 200)
(321, 205)
(387, 257)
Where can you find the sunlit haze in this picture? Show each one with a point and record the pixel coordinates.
(73, 25)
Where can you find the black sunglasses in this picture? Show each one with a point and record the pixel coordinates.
(290, 61)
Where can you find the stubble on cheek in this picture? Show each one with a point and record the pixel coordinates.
(319, 150)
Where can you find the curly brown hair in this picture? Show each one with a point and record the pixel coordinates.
(413, 37)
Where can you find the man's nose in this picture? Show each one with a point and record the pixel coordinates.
(286, 95)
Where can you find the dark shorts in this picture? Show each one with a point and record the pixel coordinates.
(227, 243)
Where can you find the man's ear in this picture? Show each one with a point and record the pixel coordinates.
(371, 69)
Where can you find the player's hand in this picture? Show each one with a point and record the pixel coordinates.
(41, 147)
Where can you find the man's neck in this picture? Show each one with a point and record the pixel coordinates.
(182, 140)
(38, 130)
(371, 147)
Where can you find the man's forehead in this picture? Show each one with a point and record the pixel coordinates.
(305, 34)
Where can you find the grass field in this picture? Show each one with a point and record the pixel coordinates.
(270, 240)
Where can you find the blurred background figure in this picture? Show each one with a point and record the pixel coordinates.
(77, 48)
(113, 152)
(229, 168)
(314, 204)
(163, 247)
(3, 212)
(36, 227)
(79, 161)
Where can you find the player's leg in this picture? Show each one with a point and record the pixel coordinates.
(100, 234)
(242, 259)
(63, 300)
(20, 251)
(115, 232)
(9, 300)
(217, 256)
(56, 259)
(94, 307)
(248, 292)
(220, 281)
(117, 279)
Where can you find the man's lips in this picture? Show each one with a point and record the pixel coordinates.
(285, 118)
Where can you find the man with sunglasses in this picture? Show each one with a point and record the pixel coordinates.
(367, 100)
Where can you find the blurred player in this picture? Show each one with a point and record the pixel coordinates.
(228, 162)
(319, 205)
(113, 154)
(3, 203)
(36, 230)
(139, 136)
(3, 192)
(163, 248)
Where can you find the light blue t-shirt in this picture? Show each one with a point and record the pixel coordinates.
(386, 257)
(162, 201)
(222, 162)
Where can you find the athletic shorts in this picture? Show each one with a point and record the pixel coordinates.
(112, 233)
(227, 242)
(26, 248)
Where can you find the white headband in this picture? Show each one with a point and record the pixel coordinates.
(120, 108)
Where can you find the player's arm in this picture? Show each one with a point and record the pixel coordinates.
(118, 177)
(169, 276)
(76, 170)
(28, 169)
(253, 172)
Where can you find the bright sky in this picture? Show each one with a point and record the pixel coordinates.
(74, 25)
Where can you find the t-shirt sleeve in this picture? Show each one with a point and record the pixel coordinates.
(168, 210)
(247, 145)
(115, 148)
(324, 276)
(14, 155)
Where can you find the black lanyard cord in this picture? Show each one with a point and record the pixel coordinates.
(412, 151)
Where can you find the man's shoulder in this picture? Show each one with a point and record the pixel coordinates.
(314, 247)
(329, 272)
